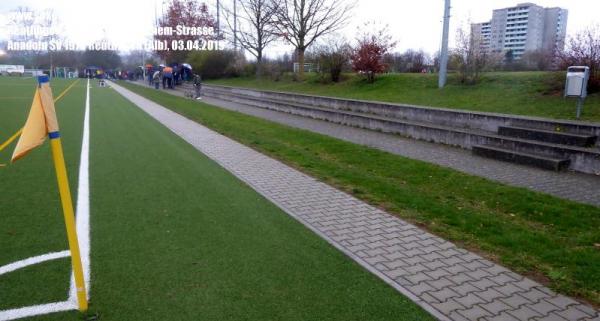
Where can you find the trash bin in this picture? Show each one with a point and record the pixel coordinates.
(577, 79)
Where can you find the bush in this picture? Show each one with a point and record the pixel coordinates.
(582, 50)
(272, 69)
(332, 60)
(470, 60)
(410, 61)
(367, 57)
(214, 64)
(250, 70)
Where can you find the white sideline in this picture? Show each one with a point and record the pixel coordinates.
(83, 202)
(33, 260)
(83, 233)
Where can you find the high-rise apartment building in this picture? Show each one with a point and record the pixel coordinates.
(525, 27)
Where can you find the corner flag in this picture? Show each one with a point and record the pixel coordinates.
(41, 122)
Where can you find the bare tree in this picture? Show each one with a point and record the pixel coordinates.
(188, 13)
(470, 58)
(37, 27)
(50, 20)
(255, 30)
(301, 22)
(542, 60)
(584, 49)
(409, 61)
(24, 18)
(333, 57)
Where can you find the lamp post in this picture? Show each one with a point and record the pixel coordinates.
(444, 52)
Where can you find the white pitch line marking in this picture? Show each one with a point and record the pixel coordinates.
(37, 310)
(33, 260)
(83, 202)
(83, 234)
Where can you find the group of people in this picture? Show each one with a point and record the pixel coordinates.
(100, 73)
(171, 76)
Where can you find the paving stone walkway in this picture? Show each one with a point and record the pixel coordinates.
(449, 282)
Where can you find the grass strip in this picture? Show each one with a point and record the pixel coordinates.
(519, 93)
(547, 238)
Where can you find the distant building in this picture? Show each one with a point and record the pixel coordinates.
(525, 27)
(483, 33)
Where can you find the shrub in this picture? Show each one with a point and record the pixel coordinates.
(332, 60)
(250, 70)
(367, 57)
(215, 64)
(274, 71)
(470, 60)
(583, 50)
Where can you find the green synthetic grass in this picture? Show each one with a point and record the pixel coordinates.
(536, 234)
(520, 93)
(37, 284)
(30, 214)
(176, 237)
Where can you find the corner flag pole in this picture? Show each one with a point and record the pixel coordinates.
(67, 205)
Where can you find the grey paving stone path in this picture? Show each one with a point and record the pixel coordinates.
(568, 185)
(449, 282)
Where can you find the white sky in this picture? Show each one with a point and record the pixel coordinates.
(415, 24)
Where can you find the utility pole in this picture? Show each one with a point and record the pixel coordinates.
(155, 17)
(235, 25)
(444, 52)
(144, 64)
(218, 18)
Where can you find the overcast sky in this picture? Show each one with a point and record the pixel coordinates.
(414, 23)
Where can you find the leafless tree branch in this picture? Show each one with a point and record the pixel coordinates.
(302, 22)
(255, 26)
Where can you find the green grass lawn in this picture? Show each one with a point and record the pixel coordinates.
(549, 239)
(520, 93)
(173, 235)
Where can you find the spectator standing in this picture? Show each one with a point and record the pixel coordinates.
(168, 77)
(156, 79)
(198, 86)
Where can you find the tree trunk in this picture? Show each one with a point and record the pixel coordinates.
(301, 64)
(259, 66)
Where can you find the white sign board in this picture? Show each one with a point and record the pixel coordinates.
(12, 69)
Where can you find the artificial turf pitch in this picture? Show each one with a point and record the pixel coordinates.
(173, 235)
(30, 214)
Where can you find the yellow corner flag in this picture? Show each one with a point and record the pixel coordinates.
(41, 122)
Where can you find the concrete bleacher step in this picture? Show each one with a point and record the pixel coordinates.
(572, 147)
(513, 156)
(555, 137)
